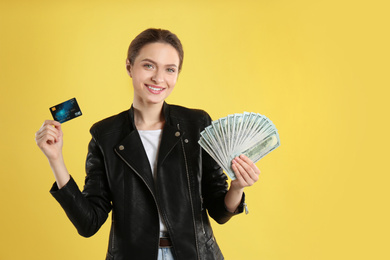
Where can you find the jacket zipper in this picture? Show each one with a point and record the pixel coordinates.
(113, 232)
(189, 191)
(201, 215)
(246, 209)
(139, 175)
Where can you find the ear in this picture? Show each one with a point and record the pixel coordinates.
(128, 67)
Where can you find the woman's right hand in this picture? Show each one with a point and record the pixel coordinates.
(49, 139)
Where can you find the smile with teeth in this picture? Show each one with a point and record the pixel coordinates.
(154, 89)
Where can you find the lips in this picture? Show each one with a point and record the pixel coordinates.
(154, 89)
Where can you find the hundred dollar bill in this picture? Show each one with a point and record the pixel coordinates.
(230, 131)
(251, 134)
(260, 149)
(204, 143)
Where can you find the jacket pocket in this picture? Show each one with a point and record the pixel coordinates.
(213, 250)
(210, 243)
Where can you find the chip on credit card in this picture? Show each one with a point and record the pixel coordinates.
(66, 110)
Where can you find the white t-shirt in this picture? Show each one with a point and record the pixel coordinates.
(151, 140)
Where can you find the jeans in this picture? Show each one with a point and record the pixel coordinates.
(165, 253)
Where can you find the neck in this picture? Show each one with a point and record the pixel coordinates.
(148, 117)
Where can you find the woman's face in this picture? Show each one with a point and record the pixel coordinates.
(154, 73)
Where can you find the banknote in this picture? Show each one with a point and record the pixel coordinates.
(251, 134)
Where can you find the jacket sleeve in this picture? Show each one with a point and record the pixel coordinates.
(87, 210)
(215, 187)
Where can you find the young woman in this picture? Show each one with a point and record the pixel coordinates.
(146, 166)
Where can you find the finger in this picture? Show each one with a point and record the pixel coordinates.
(52, 122)
(236, 171)
(48, 130)
(247, 171)
(49, 133)
(42, 140)
(250, 163)
(246, 167)
(247, 179)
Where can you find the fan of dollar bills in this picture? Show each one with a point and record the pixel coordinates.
(251, 134)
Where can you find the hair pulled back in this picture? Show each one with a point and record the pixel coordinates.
(153, 35)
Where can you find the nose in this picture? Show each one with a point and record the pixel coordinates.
(158, 76)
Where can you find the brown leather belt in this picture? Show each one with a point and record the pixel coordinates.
(165, 242)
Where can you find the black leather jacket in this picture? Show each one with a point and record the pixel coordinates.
(188, 182)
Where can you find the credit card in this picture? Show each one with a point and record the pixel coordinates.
(66, 110)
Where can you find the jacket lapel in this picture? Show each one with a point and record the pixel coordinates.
(132, 151)
(170, 137)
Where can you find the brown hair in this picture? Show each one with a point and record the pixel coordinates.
(151, 36)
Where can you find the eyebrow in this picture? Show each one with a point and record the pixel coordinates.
(167, 65)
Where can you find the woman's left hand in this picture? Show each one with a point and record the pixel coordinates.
(246, 172)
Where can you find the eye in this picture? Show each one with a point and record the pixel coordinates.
(171, 70)
(148, 66)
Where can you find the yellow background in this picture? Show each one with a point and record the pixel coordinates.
(318, 69)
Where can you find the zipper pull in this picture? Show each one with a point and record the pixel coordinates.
(246, 209)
